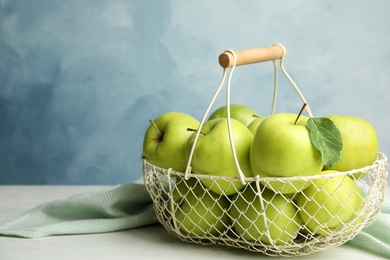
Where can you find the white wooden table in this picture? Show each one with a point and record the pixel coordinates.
(151, 242)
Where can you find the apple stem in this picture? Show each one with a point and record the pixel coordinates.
(255, 116)
(194, 130)
(155, 127)
(300, 113)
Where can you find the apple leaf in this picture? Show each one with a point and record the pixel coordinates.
(326, 137)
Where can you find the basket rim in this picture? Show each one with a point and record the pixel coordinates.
(380, 162)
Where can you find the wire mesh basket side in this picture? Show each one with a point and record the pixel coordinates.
(196, 214)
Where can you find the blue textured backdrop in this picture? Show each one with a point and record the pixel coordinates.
(80, 79)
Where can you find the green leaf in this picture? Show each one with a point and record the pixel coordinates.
(326, 137)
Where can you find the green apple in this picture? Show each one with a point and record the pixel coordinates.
(242, 113)
(360, 142)
(283, 149)
(255, 123)
(166, 138)
(203, 212)
(182, 187)
(329, 202)
(278, 223)
(213, 154)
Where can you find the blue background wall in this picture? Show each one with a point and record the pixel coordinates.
(79, 80)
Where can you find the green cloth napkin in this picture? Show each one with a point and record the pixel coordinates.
(116, 208)
(376, 237)
(129, 206)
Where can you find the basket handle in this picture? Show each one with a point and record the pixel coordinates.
(226, 59)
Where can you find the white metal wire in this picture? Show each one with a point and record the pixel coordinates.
(170, 191)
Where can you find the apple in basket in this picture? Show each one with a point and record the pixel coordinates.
(330, 202)
(282, 147)
(240, 112)
(271, 218)
(255, 123)
(182, 187)
(166, 138)
(213, 154)
(202, 212)
(360, 143)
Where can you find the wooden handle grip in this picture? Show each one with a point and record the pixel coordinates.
(226, 59)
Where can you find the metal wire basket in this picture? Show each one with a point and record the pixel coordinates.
(257, 219)
(170, 191)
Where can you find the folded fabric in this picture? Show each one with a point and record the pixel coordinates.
(376, 237)
(129, 206)
(116, 208)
